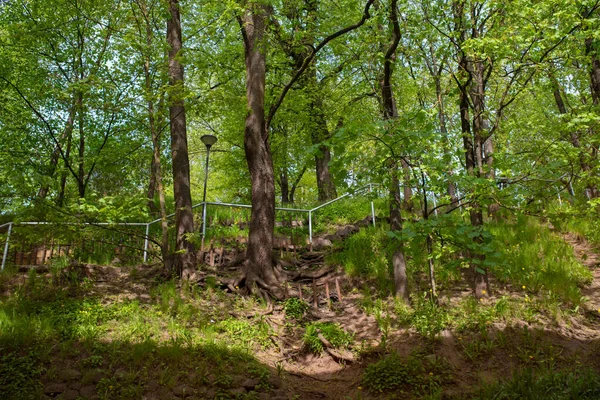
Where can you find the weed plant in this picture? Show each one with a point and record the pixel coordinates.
(334, 333)
(295, 308)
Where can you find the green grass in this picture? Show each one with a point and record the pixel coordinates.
(530, 384)
(419, 375)
(366, 255)
(42, 324)
(568, 219)
(535, 259)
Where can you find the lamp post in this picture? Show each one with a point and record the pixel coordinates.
(208, 141)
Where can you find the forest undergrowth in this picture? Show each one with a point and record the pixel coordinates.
(81, 331)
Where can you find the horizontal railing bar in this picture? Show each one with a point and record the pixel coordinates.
(339, 198)
(83, 223)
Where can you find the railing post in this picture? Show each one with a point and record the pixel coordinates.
(372, 204)
(146, 243)
(310, 226)
(204, 221)
(6, 246)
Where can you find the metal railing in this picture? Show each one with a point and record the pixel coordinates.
(147, 225)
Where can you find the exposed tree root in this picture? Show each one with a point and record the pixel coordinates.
(339, 356)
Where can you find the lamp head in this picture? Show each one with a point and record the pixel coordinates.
(209, 140)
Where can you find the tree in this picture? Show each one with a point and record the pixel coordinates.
(184, 218)
(258, 267)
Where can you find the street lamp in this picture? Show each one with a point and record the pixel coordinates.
(208, 140)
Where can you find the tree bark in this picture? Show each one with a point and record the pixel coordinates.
(390, 113)
(591, 49)
(81, 148)
(284, 184)
(574, 136)
(325, 184)
(67, 133)
(156, 179)
(258, 267)
(444, 131)
(184, 219)
(472, 141)
(318, 124)
(296, 183)
(63, 178)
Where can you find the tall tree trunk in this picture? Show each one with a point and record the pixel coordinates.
(296, 183)
(258, 268)
(444, 131)
(155, 168)
(81, 159)
(325, 184)
(284, 184)
(390, 113)
(591, 49)
(319, 134)
(63, 178)
(562, 109)
(67, 132)
(156, 178)
(184, 218)
(479, 271)
(473, 84)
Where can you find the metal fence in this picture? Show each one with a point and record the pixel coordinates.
(123, 239)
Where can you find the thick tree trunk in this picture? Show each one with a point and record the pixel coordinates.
(258, 269)
(184, 219)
